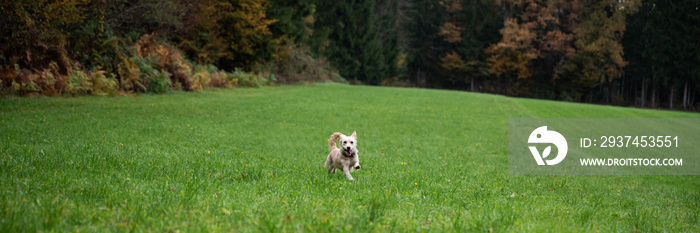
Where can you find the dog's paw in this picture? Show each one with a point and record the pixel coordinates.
(352, 179)
(357, 167)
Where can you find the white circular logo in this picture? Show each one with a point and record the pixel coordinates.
(542, 135)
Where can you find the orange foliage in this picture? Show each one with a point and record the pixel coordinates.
(508, 62)
(243, 24)
(510, 58)
(451, 6)
(452, 61)
(451, 32)
(38, 31)
(569, 37)
(518, 37)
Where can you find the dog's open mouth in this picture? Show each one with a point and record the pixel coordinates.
(348, 153)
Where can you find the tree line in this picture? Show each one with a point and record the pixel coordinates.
(621, 52)
(643, 53)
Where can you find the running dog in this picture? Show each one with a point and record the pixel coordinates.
(345, 157)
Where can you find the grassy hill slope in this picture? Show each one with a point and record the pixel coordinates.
(252, 160)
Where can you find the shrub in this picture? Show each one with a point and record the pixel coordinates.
(77, 82)
(130, 75)
(201, 78)
(298, 65)
(169, 60)
(220, 79)
(147, 66)
(152, 79)
(248, 79)
(48, 81)
(101, 84)
(95, 83)
(159, 81)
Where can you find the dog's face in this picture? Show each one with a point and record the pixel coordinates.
(349, 144)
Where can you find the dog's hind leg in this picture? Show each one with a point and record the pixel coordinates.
(328, 165)
(346, 170)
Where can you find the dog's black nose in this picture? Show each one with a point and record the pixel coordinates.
(348, 149)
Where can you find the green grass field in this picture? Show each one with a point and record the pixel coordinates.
(252, 160)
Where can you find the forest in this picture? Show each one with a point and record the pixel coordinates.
(642, 53)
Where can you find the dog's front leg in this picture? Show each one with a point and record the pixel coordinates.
(346, 170)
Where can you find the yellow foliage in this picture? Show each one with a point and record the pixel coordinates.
(244, 25)
(129, 72)
(518, 37)
(452, 61)
(508, 62)
(451, 32)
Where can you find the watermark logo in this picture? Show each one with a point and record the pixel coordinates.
(604, 146)
(542, 135)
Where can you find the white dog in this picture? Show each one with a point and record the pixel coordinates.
(346, 157)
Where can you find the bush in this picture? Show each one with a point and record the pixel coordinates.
(101, 84)
(153, 66)
(220, 79)
(298, 65)
(14, 80)
(95, 83)
(248, 79)
(77, 82)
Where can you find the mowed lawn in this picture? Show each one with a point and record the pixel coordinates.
(252, 160)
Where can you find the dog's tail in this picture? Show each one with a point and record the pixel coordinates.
(333, 139)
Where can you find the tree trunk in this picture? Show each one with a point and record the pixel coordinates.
(622, 88)
(685, 95)
(634, 94)
(420, 80)
(506, 12)
(692, 98)
(653, 96)
(670, 98)
(472, 83)
(642, 95)
(613, 93)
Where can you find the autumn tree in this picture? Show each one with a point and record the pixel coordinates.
(446, 46)
(598, 59)
(510, 59)
(568, 47)
(33, 33)
(470, 27)
(199, 36)
(244, 27)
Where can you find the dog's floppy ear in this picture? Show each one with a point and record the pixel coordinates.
(354, 134)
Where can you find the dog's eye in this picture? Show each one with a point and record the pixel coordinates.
(351, 142)
(345, 142)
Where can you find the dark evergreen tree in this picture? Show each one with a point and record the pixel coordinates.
(446, 45)
(358, 45)
(294, 19)
(662, 46)
(425, 45)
